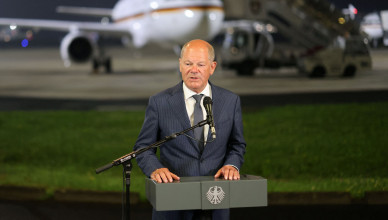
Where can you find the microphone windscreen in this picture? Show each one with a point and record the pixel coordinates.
(207, 101)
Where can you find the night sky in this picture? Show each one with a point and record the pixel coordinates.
(44, 8)
(363, 6)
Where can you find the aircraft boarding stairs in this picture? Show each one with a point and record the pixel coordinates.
(306, 23)
(308, 26)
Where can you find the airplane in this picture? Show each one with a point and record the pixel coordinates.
(165, 22)
(375, 25)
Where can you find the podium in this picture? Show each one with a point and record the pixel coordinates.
(206, 192)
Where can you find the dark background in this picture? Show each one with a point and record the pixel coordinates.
(43, 9)
(46, 9)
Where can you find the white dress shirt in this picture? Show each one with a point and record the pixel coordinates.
(190, 102)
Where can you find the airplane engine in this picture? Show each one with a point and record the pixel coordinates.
(77, 48)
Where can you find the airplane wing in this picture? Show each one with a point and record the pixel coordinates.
(87, 11)
(109, 28)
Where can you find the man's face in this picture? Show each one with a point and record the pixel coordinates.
(196, 67)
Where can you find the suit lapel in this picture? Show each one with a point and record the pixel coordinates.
(178, 106)
(218, 104)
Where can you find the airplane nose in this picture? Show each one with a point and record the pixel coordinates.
(210, 22)
(204, 23)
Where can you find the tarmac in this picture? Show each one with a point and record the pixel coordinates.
(36, 80)
(41, 74)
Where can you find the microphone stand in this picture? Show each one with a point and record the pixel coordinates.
(127, 163)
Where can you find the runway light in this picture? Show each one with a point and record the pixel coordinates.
(24, 43)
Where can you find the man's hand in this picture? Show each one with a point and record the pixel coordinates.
(228, 172)
(163, 175)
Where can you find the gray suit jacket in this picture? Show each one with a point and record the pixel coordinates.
(166, 114)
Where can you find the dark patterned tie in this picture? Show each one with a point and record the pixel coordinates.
(198, 116)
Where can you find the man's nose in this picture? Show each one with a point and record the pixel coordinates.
(194, 69)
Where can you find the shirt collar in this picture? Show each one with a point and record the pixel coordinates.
(189, 93)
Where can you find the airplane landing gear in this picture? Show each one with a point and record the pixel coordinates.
(105, 62)
(100, 58)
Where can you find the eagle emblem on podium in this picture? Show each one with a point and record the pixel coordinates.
(215, 195)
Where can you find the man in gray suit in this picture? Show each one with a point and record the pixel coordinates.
(173, 110)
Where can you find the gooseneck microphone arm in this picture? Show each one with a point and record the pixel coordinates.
(133, 154)
(126, 161)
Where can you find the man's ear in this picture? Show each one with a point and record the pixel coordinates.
(213, 66)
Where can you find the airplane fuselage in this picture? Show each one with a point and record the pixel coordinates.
(169, 21)
(165, 22)
(371, 24)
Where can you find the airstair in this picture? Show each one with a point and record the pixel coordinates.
(307, 23)
(314, 28)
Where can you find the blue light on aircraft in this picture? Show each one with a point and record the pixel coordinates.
(24, 43)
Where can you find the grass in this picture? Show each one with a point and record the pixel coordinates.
(297, 148)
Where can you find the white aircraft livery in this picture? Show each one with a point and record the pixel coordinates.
(375, 25)
(171, 22)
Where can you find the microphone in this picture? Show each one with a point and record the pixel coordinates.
(207, 103)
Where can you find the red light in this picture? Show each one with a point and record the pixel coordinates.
(355, 11)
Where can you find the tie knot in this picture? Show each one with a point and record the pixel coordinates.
(198, 97)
